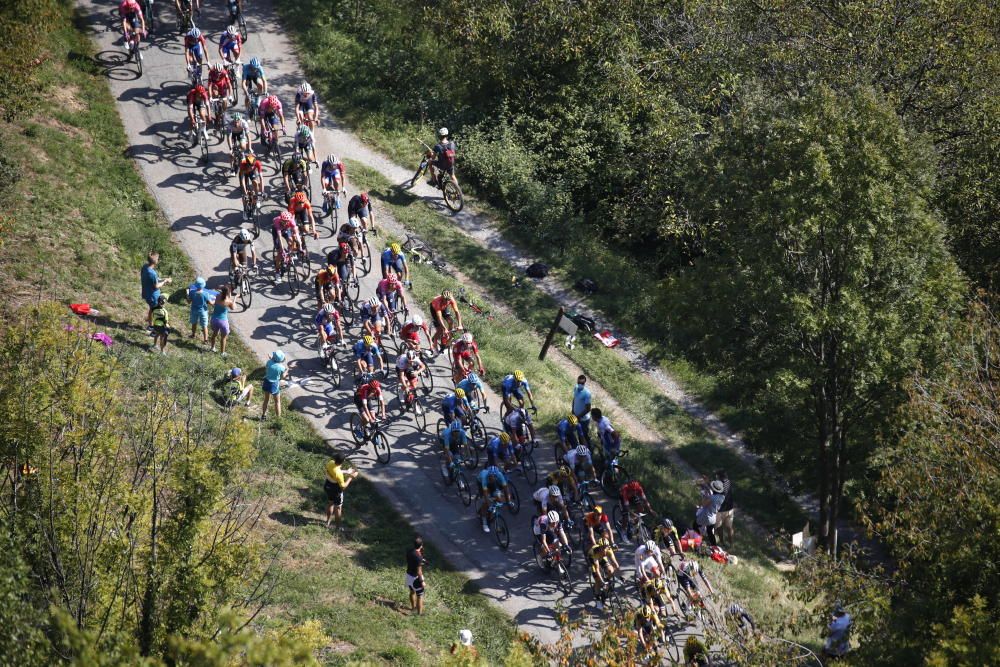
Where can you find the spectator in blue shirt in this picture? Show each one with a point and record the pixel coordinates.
(581, 407)
(151, 284)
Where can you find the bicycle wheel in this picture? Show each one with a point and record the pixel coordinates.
(477, 431)
(353, 289)
(612, 478)
(446, 474)
(138, 60)
(528, 468)
(427, 381)
(470, 456)
(304, 265)
(619, 524)
(536, 551)
(453, 198)
(500, 531)
(644, 534)
(365, 258)
(563, 578)
(335, 373)
(246, 294)
(463, 488)
(441, 426)
(203, 141)
(242, 23)
(381, 445)
(419, 414)
(515, 499)
(357, 429)
(292, 276)
(347, 313)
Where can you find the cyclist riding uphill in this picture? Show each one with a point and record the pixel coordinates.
(455, 406)
(195, 49)
(359, 206)
(394, 261)
(132, 19)
(514, 387)
(610, 438)
(492, 487)
(254, 81)
(444, 156)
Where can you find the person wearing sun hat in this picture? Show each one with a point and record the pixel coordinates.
(274, 371)
(709, 510)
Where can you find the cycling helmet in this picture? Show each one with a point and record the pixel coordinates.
(255, 62)
(394, 248)
(392, 280)
(353, 223)
(456, 425)
(217, 67)
(231, 30)
(573, 421)
(504, 438)
(519, 376)
(364, 197)
(443, 132)
(278, 356)
(304, 131)
(648, 610)
(305, 88)
(369, 341)
(237, 117)
(598, 509)
(555, 491)
(244, 235)
(460, 393)
(493, 470)
(418, 321)
(329, 308)
(650, 545)
(373, 302)
(331, 158)
(375, 386)
(272, 99)
(654, 572)
(446, 294)
(286, 217)
(603, 542)
(411, 355)
(344, 247)
(200, 87)
(299, 196)
(473, 379)
(581, 450)
(667, 523)
(194, 33)
(553, 517)
(250, 158)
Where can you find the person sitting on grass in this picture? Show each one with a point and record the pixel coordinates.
(240, 391)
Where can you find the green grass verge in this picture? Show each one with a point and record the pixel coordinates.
(513, 340)
(79, 230)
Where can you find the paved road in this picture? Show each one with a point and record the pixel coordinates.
(204, 208)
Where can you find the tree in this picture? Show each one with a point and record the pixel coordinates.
(826, 279)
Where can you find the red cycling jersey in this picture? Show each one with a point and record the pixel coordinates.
(219, 79)
(365, 390)
(197, 96)
(410, 331)
(128, 8)
(463, 350)
(632, 491)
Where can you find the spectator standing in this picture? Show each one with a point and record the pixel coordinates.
(151, 284)
(581, 407)
(337, 481)
(837, 642)
(274, 371)
(709, 511)
(415, 575)
(200, 301)
(220, 319)
(160, 320)
(724, 520)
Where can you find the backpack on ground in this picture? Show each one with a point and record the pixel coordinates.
(537, 270)
(586, 285)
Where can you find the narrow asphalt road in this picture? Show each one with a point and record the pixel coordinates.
(203, 204)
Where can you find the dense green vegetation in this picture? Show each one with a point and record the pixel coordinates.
(793, 195)
(120, 468)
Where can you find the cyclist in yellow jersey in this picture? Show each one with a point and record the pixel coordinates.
(666, 535)
(647, 623)
(654, 591)
(563, 477)
(603, 564)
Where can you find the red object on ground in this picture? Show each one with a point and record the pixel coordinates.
(607, 338)
(80, 308)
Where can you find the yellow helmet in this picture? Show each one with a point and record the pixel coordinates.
(460, 392)
(598, 509)
(519, 376)
(573, 421)
(369, 341)
(505, 438)
(394, 248)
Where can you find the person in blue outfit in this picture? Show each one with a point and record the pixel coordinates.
(151, 284)
(274, 372)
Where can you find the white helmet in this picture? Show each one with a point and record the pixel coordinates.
(443, 132)
(553, 517)
(581, 450)
(244, 235)
(555, 492)
(411, 355)
(331, 158)
(305, 88)
(329, 308)
(650, 545)
(231, 30)
(373, 302)
(418, 321)
(467, 337)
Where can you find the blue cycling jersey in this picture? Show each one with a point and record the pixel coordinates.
(511, 386)
(470, 382)
(498, 478)
(446, 435)
(361, 351)
(567, 432)
(497, 451)
(251, 72)
(453, 403)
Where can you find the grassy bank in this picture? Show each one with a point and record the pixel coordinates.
(78, 228)
(509, 341)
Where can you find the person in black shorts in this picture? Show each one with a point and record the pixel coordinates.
(415, 575)
(337, 481)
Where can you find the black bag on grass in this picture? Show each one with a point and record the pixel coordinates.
(537, 270)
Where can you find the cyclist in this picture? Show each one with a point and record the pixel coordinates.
(515, 386)
(666, 535)
(603, 565)
(517, 422)
(455, 405)
(304, 142)
(241, 243)
(184, 6)
(610, 439)
(359, 206)
(365, 353)
(465, 356)
(500, 450)
(444, 157)
(195, 49)
(300, 207)
(307, 107)
(550, 498)
(270, 114)
(239, 133)
(348, 233)
(327, 283)
(492, 486)
(741, 617)
(218, 85)
(230, 44)
(444, 313)
(598, 526)
(342, 258)
(452, 439)
(647, 625)
(563, 478)
(633, 497)
(294, 173)
(328, 322)
(390, 293)
(132, 20)
(394, 261)
(653, 590)
(473, 388)
(410, 334)
(410, 366)
(373, 316)
(251, 175)
(197, 103)
(283, 227)
(568, 431)
(549, 533)
(235, 9)
(647, 557)
(370, 389)
(687, 572)
(332, 175)
(581, 464)
(254, 82)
